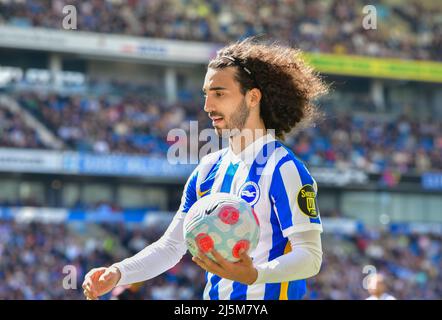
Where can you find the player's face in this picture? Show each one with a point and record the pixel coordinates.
(224, 103)
(376, 286)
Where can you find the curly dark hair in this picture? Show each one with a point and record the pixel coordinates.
(288, 85)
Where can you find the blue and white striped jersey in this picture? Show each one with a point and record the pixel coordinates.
(283, 193)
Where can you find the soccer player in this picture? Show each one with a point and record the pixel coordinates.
(267, 90)
(377, 288)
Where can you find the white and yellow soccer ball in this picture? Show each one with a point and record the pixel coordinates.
(224, 222)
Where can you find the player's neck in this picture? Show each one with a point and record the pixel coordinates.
(247, 136)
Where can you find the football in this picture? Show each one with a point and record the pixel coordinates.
(223, 222)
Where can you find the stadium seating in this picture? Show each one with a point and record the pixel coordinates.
(137, 125)
(412, 263)
(406, 31)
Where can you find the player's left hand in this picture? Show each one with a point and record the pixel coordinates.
(241, 271)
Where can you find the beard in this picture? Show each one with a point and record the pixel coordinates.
(236, 121)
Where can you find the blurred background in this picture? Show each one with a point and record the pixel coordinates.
(85, 112)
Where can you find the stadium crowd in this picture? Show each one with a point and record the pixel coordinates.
(14, 132)
(36, 254)
(138, 125)
(371, 144)
(411, 264)
(404, 30)
(104, 124)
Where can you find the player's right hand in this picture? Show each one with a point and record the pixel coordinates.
(100, 281)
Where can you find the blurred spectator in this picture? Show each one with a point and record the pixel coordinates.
(14, 132)
(378, 288)
(412, 272)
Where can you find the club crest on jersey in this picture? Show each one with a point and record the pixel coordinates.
(250, 192)
(307, 201)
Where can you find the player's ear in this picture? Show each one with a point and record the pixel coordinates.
(254, 97)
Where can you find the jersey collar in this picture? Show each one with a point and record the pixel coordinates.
(249, 154)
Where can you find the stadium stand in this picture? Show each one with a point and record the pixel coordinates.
(412, 263)
(140, 125)
(406, 31)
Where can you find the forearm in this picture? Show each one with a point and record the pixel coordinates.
(156, 258)
(304, 261)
